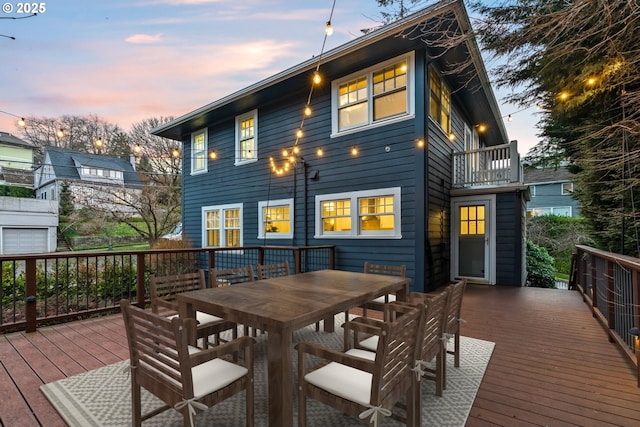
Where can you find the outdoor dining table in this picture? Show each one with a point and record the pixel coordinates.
(281, 306)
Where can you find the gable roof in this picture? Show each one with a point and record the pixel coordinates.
(485, 106)
(65, 164)
(547, 175)
(7, 138)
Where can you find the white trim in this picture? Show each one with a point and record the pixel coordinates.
(272, 204)
(221, 208)
(355, 232)
(250, 114)
(410, 87)
(206, 144)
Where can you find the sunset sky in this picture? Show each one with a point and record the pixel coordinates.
(127, 60)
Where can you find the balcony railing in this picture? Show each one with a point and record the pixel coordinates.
(57, 287)
(488, 166)
(610, 284)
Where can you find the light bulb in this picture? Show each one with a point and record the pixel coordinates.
(328, 29)
(21, 122)
(354, 151)
(299, 133)
(213, 155)
(307, 111)
(316, 78)
(319, 152)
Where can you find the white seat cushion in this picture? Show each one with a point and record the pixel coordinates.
(214, 375)
(344, 381)
(382, 300)
(370, 343)
(202, 318)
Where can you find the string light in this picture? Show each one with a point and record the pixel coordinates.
(213, 155)
(290, 156)
(60, 133)
(420, 143)
(452, 136)
(21, 120)
(354, 151)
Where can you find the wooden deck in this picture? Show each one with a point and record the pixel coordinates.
(552, 364)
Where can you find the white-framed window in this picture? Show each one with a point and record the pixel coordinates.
(567, 188)
(222, 226)
(559, 210)
(439, 100)
(532, 190)
(359, 214)
(375, 96)
(247, 137)
(199, 152)
(275, 219)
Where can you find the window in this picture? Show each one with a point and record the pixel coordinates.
(439, 101)
(560, 211)
(567, 188)
(222, 226)
(532, 189)
(247, 138)
(472, 220)
(359, 214)
(199, 152)
(373, 96)
(275, 219)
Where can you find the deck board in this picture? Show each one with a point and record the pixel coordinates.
(552, 364)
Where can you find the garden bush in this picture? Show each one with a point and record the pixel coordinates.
(540, 267)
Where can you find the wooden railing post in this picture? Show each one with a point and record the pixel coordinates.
(297, 260)
(608, 278)
(635, 281)
(31, 305)
(140, 292)
(594, 282)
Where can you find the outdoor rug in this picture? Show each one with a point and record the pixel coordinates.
(102, 397)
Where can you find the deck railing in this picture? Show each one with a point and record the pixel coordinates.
(55, 287)
(495, 165)
(610, 284)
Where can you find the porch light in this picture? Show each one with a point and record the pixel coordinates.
(452, 136)
(482, 127)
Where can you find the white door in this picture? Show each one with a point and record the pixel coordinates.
(473, 239)
(24, 240)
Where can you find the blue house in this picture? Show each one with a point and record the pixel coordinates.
(396, 160)
(551, 192)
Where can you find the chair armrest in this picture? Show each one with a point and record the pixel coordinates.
(362, 328)
(161, 302)
(228, 348)
(330, 355)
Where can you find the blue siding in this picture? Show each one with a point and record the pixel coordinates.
(509, 235)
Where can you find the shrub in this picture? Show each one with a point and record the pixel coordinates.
(540, 267)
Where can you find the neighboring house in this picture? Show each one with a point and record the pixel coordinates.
(551, 192)
(27, 225)
(400, 162)
(16, 161)
(93, 180)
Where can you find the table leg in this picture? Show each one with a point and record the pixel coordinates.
(280, 377)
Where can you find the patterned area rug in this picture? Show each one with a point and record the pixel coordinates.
(102, 397)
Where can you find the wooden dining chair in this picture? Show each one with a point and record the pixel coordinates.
(387, 270)
(430, 341)
(361, 383)
(164, 361)
(163, 291)
(452, 324)
(267, 271)
(232, 276)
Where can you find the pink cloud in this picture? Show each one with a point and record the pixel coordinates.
(143, 38)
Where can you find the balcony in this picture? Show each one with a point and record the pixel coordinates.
(487, 166)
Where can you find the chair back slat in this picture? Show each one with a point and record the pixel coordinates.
(396, 354)
(434, 326)
(230, 276)
(387, 270)
(268, 271)
(455, 306)
(167, 287)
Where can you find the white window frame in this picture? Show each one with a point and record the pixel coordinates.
(563, 191)
(194, 153)
(368, 73)
(262, 234)
(532, 190)
(542, 211)
(356, 232)
(221, 208)
(433, 72)
(239, 119)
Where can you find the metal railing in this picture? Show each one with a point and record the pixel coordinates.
(55, 287)
(610, 284)
(495, 165)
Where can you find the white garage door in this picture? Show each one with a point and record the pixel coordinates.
(24, 240)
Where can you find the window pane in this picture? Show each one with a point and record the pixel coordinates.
(353, 115)
(277, 219)
(376, 213)
(336, 215)
(232, 238)
(213, 238)
(390, 105)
